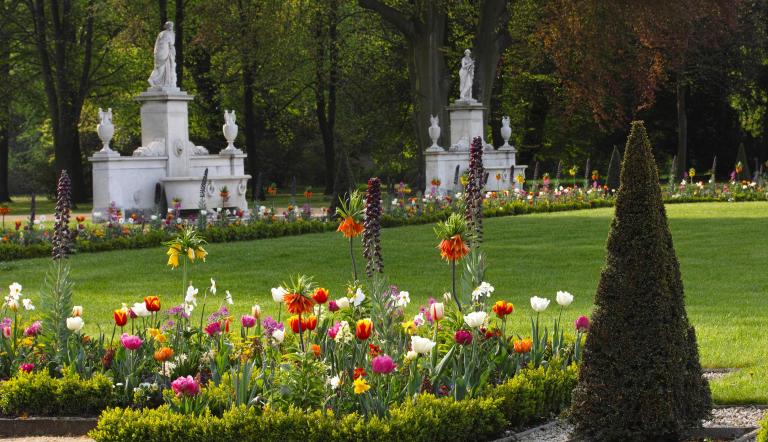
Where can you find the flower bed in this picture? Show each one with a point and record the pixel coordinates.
(530, 396)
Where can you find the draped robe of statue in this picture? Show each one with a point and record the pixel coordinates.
(466, 77)
(164, 73)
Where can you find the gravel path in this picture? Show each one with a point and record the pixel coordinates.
(46, 439)
(559, 430)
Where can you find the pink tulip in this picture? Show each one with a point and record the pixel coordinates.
(26, 368)
(383, 364)
(332, 306)
(582, 324)
(6, 331)
(214, 328)
(248, 321)
(334, 330)
(185, 386)
(463, 337)
(130, 342)
(33, 329)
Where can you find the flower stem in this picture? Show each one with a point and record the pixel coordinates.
(352, 255)
(453, 281)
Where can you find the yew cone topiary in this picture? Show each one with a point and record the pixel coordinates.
(640, 379)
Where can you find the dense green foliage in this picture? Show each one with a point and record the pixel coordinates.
(38, 394)
(762, 435)
(529, 396)
(628, 389)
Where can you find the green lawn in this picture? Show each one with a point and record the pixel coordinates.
(722, 247)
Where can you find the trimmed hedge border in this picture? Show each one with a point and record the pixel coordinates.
(263, 230)
(530, 396)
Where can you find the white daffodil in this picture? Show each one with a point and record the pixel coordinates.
(213, 287)
(191, 297)
(564, 298)
(228, 298)
(28, 304)
(539, 304)
(359, 297)
(475, 319)
(422, 345)
(484, 289)
(334, 382)
(403, 299)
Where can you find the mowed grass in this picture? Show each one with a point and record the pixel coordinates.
(722, 247)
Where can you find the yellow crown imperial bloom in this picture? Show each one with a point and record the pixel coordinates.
(200, 253)
(173, 256)
(191, 254)
(361, 386)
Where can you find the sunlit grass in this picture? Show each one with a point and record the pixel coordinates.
(722, 247)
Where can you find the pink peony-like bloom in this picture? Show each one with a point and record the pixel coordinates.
(130, 342)
(332, 306)
(26, 368)
(463, 337)
(185, 386)
(214, 328)
(334, 330)
(383, 364)
(33, 329)
(248, 321)
(582, 324)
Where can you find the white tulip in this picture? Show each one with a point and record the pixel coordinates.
(278, 336)
(437, 311)
(343, 302)
(411, 355)
(539, 304)
(475, 319)
(278, 293)
(140, 310)
(256, 311)
(564, 298)
(75, 324)
(422, 345)
(77, 310)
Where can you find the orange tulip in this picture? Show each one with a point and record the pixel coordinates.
(320, 296)
(453, 249)
(350, 228)
(363, 329)
(503, 308)
(316, 350)
(309, 323)
(163, 354)
(523, 345)
(121, 317)
(152, 303)
(294, 322)
(297, 304)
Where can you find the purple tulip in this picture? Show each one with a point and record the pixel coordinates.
(332, 306)
(463, 337)
(130, 342)
(383, 364)
(248, 321)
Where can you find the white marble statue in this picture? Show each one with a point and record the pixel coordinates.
(164, 73)
(434, 131)
(105, 129)
(466, 76)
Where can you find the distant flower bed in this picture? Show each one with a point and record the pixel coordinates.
(117, 231)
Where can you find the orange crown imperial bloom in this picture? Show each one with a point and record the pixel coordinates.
(121, 317)
(297, 303)
(523, 345)
(163, 354)
(453, 249)
(152, 303)
(503, 308)
(320, 296)
(350, 228)
(363, 329)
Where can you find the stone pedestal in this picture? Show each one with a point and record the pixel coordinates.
(447, 166)
(168, 157)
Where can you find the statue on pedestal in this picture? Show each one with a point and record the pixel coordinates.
(164, 73)
(466, 77)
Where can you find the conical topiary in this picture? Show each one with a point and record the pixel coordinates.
(640, 379)
(614, 168)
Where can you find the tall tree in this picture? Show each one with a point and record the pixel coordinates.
(179, 29)
(64, 34)
(8, 40)
(326, 81)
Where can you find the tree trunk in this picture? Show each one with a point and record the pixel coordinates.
(163, 8)
(179, 28)
(326, 83)
(682, 128)
(491, 40)
(250, 126)
(5, 118)
(207, 98)
(495, 112)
